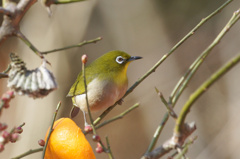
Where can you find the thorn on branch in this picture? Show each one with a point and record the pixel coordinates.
(169, 107)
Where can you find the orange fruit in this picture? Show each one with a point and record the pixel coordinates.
(67, 142)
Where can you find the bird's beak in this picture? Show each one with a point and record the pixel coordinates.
(132, 58)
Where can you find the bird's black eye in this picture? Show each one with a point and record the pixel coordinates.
(120, 59)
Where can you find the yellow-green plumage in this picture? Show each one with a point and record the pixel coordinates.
(105, 68)
(106, 80)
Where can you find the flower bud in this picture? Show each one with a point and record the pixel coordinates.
(88, 128)
(41, 142)
(96, 138)
(14, 137)
(5, 134)
(99, 148)
(18, 130)
(84, 58)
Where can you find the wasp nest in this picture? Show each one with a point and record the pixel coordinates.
(34, 83)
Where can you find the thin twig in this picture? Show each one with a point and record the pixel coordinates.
(110, 154)
(185, 148)
(3, 75)
(73, 46)
(168, 106)
(151, 70)
(8, 69)
(88, 107)
(51, 129)
(29, 44)
(86, 95)
(29, 152)
(157, 133)
(120, 116)
(66, 1)
(13, 129)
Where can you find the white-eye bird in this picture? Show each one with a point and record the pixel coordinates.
(106, 80)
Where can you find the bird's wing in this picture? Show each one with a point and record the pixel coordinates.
(78, 87)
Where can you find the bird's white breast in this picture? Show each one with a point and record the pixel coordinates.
(101, 94)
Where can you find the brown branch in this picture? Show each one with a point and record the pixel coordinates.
(3, 75)
(170, 144)
(14, 13)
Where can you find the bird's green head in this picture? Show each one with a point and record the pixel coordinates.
(115, 61)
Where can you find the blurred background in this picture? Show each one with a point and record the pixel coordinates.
(143, 28)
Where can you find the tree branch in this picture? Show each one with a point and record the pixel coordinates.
(29, 152)
(73, 46)
(3, 75)
(169, 144)
(14, 14)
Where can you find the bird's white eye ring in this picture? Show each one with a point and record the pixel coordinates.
(120, 59)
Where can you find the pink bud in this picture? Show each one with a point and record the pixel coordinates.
(5, 134)
(41, 142)
(96, 138)
(99, 149)
(84, 58)
(14, 137)
(18, 130)
(88, 128)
